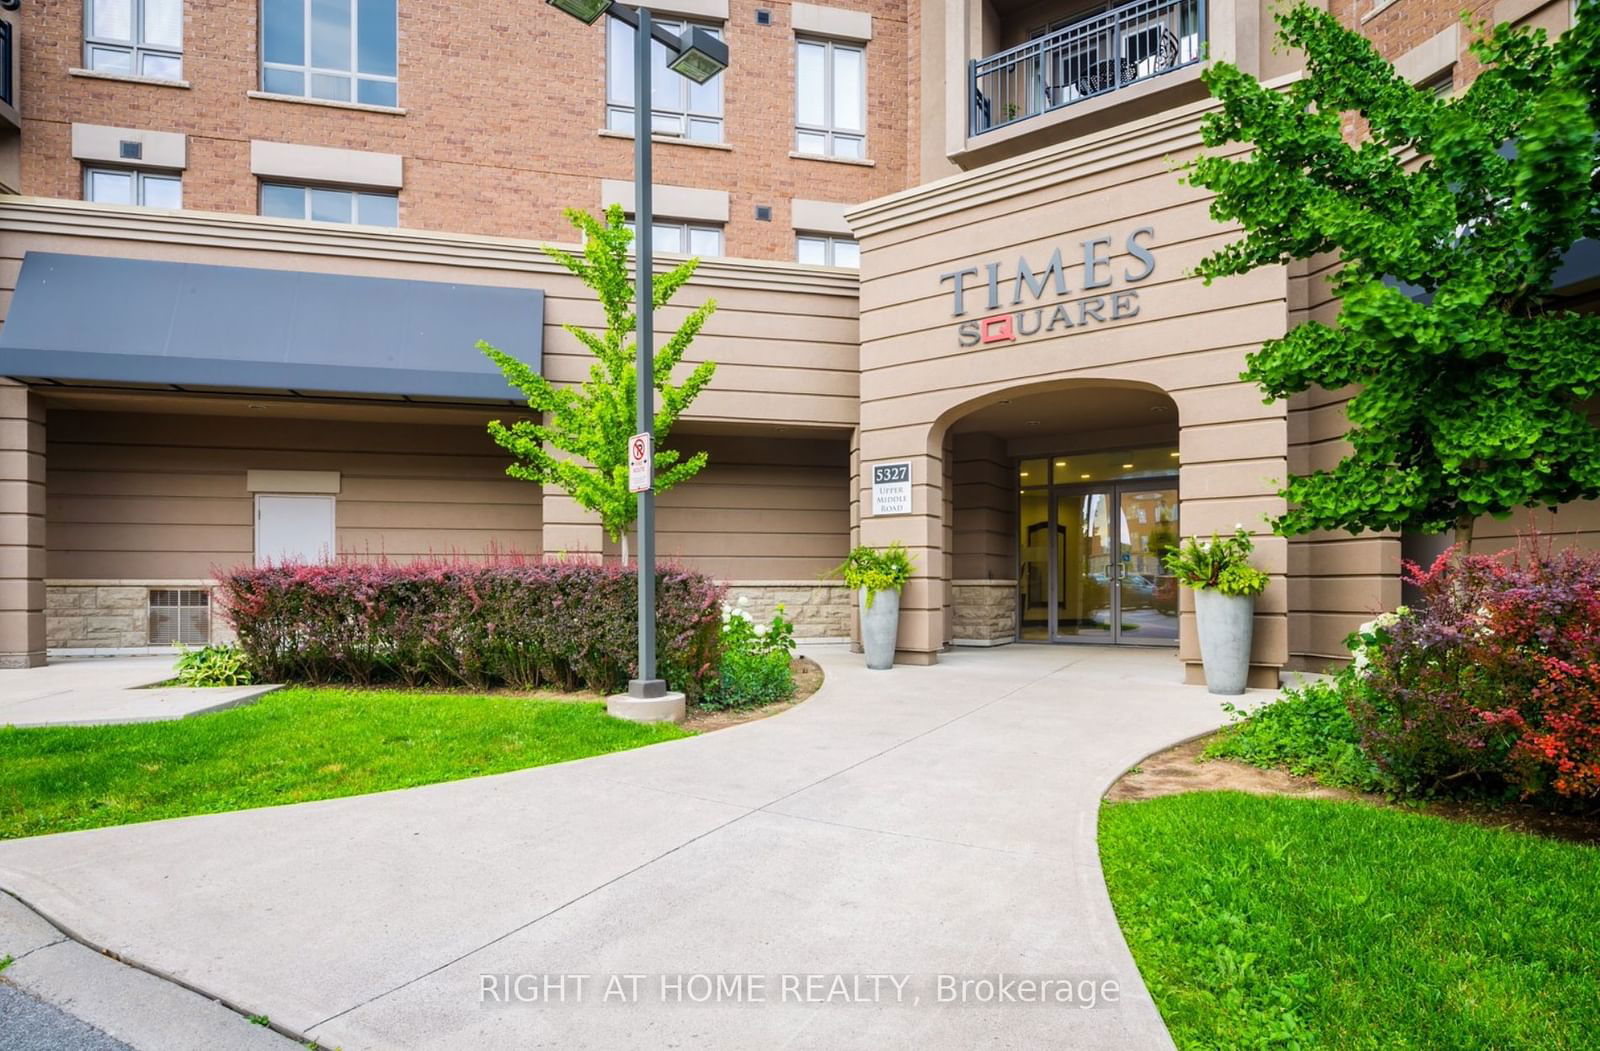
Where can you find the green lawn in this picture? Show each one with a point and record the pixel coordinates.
(1299, 923)
(292, 745)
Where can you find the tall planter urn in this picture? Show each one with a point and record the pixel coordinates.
(877, 577)
(880, 627)
(1225, 624)
(1225, 587)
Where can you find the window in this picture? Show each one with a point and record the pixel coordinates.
(826, 250)
(830, 107)
(678, 105)
(141, 38)
(330, 205)
(181, 616)
(126, 186)
(1441, 86)
(340, 50)
(701, 239)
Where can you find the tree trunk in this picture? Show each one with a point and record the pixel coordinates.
(1463, 539)
(624, 547)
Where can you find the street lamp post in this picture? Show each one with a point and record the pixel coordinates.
(699, 56)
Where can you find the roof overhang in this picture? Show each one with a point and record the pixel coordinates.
(114, 320)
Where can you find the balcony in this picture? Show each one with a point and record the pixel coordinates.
(1084, 59)
(8, 69)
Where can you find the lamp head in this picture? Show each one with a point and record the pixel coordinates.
(703, 56)
(586, 11)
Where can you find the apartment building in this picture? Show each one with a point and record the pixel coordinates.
(254, 242)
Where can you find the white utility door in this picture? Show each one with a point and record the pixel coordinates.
(293, 528)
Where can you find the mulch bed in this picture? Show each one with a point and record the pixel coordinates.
(1180, 769)
(807, 680)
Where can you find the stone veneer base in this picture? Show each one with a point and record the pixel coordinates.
(110, 617)
(983, 612)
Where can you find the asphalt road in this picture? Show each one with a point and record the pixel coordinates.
(27, 1024)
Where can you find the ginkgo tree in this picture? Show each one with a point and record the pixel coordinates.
(579, 439)
(1449, 218)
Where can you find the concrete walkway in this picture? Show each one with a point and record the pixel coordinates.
(86, 691)
(913, 823)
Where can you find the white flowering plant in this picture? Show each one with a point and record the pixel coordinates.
(1373, 634)
(755, 659)
(1222, 563)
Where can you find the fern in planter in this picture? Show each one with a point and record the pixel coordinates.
(1222, 563)
(874, 570)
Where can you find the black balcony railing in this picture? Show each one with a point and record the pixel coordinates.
(1122, 46)
(7, 89)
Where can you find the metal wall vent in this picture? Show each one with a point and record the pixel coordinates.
(180, 615)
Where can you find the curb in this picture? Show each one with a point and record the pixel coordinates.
(141, 1008)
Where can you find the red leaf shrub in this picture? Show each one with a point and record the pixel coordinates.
(512, 621)
(1492, 681)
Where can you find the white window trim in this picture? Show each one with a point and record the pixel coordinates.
(834, 22)
(673, 202)
(134, 47)
(682, 114)
(829, 242)
(140, 177)
(355, 202)
(353, 74)
(828, 131)
(325, 165)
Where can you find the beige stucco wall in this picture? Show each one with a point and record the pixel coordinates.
(1187, 340)
(161, 493)
(22, 526)
(784, 336)
(763, 509)
(984, 513)
(149, 488)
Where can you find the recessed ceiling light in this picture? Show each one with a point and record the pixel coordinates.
(1173, 455)
(1127, 467)
(1083, 476)
(1024, 474)
(1061, 463)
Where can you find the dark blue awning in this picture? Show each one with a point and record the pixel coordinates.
(139, 321)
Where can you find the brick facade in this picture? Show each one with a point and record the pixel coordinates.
(1398, 26)
(503, 108)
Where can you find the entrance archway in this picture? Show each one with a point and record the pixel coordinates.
(1059, 506)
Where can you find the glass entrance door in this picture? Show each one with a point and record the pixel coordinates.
(1085, 560)
(1147, 594)
(1107, 581)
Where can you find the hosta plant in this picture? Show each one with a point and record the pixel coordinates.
(224, 665)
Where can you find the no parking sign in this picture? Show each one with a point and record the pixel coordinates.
(639, 477)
